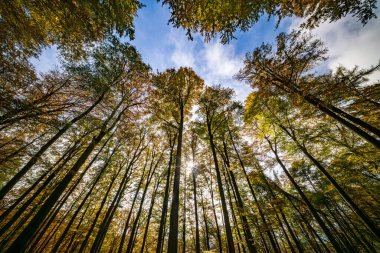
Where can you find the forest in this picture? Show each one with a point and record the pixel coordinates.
(106, 154)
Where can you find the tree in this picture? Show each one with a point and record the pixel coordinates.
(285, 72)
(29, 26)
(212, 105)
(176, 91)
(225, 17)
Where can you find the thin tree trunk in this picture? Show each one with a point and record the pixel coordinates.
(68, 226)
(134, 227)
(89, 231)
(218, 236)
(247, 232)
(153, 198)
(121, 244)
(25, 205)
(332, 112)
(295, 239)
(230, 241)
(363, 216)
(197, 238)
(321, 223)
(228, 183)
(160, 238)
(97, 244)
(207, 237)
(184, 215)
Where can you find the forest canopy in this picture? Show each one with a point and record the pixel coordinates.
(105, 154)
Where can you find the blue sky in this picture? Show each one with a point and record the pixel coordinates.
(163, 46)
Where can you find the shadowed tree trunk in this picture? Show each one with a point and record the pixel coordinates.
(230, 242)
(160, 238)
(173, 227)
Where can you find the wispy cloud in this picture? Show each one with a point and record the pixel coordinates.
(350, 43)
(214, 62)
(221, 60)
(183, 53)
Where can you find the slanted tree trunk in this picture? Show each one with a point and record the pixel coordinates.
(97, 244)
(321, 223)
(295, 239)
(207, 236)
(184, 215)
(261, 213)
(363, 216)
(246, 228)
(230, 241)
(83, 202)
(218, 235)
(103, 202)
(346, 119)
(122, 240)
(228, 183)
(42, 150)
(153, 198)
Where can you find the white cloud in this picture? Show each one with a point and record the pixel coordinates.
(220, 64)
(214, 62)
(350, 43)
(221, 60)
(183, 53)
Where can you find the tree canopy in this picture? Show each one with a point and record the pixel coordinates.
(103, 154)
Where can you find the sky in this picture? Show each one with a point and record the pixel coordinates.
(163, 46)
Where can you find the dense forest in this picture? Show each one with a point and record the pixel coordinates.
(105, 154)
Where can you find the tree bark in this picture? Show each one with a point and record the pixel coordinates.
(173, 227)
(160, 238)
(230, 241)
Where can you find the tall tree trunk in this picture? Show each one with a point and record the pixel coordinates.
(69, 153)
(295, 239)
(27, 203)
(230, 241)
(160, 238)
(345, 119)
(97, 244)
(134, 227)
(103, 202)
(23, 239)
(218, 235)
(68, 226)
(246, 228)
(173, 227)
(228, 183)
(184, 215)
(153, 198)
(122, 240)
(197, 238)
(261, 213)
(207, 236)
